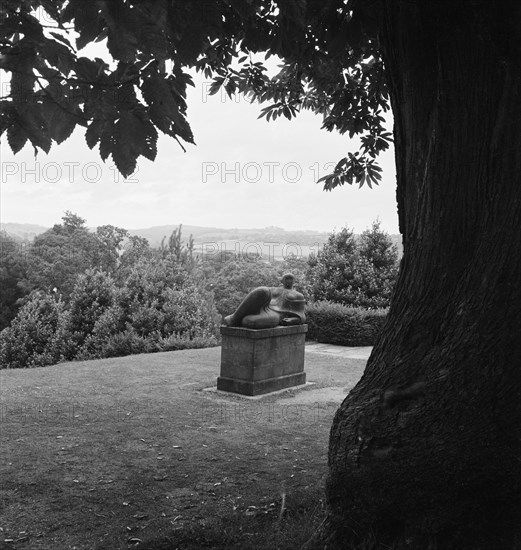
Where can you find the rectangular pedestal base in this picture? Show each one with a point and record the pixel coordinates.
(259, 361)
(260, 387)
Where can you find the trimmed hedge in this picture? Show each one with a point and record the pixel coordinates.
(331, 323)
(129, 342)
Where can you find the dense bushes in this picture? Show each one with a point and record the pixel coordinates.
(355, 272)
(12, 271)
(160, 308)
(128, 342)
(93, 294)
(37, 335)
(231, 280)
(332, 323)
(110, 294)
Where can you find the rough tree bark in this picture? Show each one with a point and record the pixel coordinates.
(425, 452)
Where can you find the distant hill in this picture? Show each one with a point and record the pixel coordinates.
(217, 234)
(272, 242)
(22, 231)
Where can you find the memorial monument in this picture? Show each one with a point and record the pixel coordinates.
(263, 341)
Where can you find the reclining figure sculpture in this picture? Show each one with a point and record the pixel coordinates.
(268, 307)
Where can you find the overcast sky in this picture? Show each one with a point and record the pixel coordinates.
(243, 173)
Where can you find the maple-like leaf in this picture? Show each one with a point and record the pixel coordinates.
(60, 120)
(127, 133)
(16, 137)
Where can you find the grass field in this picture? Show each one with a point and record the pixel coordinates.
(131, 453)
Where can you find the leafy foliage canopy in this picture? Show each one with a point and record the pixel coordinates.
(330, 64)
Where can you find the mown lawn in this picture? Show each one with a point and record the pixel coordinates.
(131, 453)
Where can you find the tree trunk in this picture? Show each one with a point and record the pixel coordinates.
(425, 452)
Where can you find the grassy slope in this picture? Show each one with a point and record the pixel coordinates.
(104, 454)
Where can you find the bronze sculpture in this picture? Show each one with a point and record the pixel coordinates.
(268, 307)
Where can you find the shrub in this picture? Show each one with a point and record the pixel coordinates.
(12, 271)
(37, 335)
(176, 342)
(127, 342)
(332, 323)
(356, 274)
(160, 308)
(163, 297)
(236, 277)
(108, 324)
(93, 294)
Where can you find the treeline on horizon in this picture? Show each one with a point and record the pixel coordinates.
(25, 234)
(82, 294)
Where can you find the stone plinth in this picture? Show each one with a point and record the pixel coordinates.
(258, 361)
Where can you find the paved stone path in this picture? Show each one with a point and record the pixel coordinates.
(339, 351)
